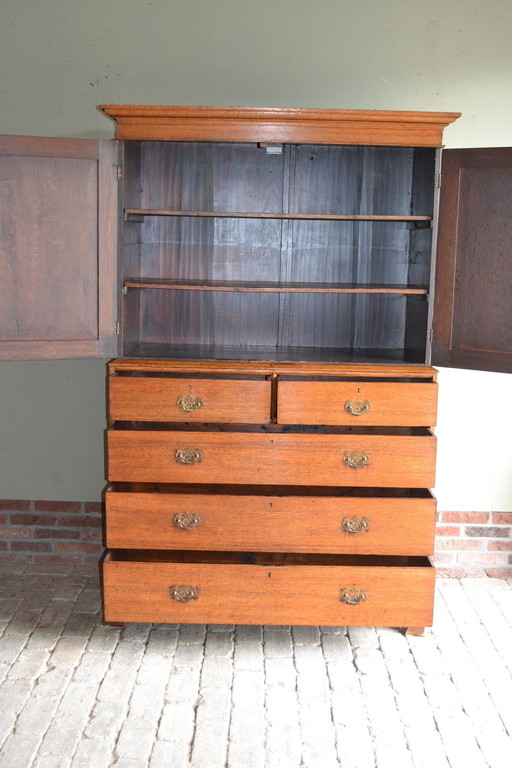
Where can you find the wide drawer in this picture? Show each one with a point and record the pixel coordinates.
(364, 524)
(329, 591)
(227, 401)
(357, 403)
(382, 460)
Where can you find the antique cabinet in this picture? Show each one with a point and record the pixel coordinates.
(271, 403)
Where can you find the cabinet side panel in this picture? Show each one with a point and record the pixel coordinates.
(473, 310)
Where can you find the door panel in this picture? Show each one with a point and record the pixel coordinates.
(473, 303)
(58, 218)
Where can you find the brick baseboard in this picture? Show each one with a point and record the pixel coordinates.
(61, 532)
(58, 532)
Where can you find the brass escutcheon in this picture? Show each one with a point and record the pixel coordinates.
(186, 520)
(352, 596)
(188, 455)
(355, 524)
(357, 407)
(356, 459)
(189, 403)
(183, 593)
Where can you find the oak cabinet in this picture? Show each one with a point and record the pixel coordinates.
(268, 286)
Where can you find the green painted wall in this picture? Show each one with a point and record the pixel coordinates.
(60, 58)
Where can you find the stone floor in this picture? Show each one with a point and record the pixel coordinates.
(77, 694)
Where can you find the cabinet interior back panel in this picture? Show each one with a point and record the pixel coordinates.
(219, 177)
(225, 178)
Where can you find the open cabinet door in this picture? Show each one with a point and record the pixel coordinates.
(473, 302)
(58, 232)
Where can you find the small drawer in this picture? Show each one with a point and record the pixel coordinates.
(382, 460)
(321, 523)
(228, 401)
(303, 590)
(357, 403)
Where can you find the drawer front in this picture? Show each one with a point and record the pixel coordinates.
(256, 594)
(389, 526)
(278, 459)
(357, 403)
(191, 400)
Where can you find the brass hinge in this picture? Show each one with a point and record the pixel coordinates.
(438, 180)
(119, 172)
(117, 327)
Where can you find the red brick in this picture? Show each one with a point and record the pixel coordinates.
(460, 572)
(3, 546)
(489, 531)
(461, 544)
(501, 546)
(93, 508)
(55, 559)
(443, 558)
(16, 533)
(79, 522)
(448, 530)
(500, 573)
(56, 533)
(502, 518)
(32, 519)
(11, 505)
(92, 534)
(483, 558)
(465, 517)
(30, 546)
(10, 557)
(3, 519)
(66, 507)
(78, 547)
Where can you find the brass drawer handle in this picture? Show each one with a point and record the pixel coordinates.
(186, 520)
(183, 593)
(188, 455)
(352, 596)
(357, 407)
(355, 524)
(189, 403)
(356, 459)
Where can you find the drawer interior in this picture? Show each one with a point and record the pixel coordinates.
(264, 559)
(270, 490)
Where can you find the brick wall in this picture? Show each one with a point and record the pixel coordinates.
(468, 543)
(474, 544)
(50, 531)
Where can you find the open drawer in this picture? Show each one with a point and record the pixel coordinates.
(230, 588)
(283, 519)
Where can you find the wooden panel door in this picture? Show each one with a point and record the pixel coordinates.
(473, 302)
(58, 223)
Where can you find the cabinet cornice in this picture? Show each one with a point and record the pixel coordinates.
(249, 124)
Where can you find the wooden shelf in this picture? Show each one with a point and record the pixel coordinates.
(271, 355)
(134, 214)
(263, 287)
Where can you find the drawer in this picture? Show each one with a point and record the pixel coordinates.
(228, 401)
(314, 590)
(383, 460)
(357, 403)
(392, 525)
